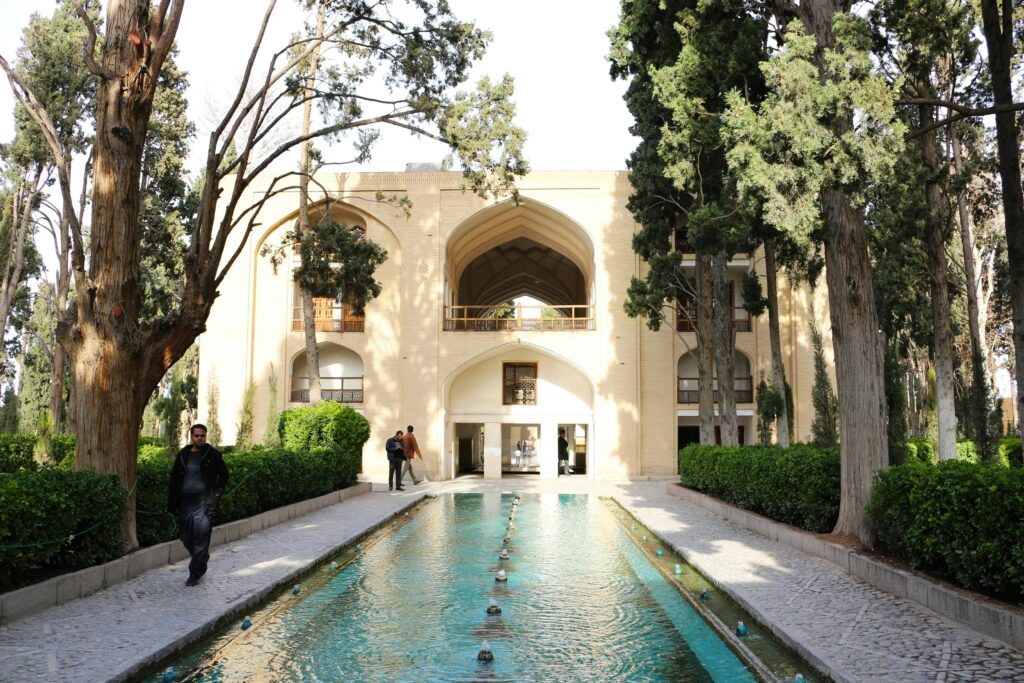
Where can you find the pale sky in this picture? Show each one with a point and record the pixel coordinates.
(556, 50)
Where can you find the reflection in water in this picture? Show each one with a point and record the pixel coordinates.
(412, 607)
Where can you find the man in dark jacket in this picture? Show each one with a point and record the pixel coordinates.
(198, 478)
(396, 458)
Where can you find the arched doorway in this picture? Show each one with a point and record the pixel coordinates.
(517, 397)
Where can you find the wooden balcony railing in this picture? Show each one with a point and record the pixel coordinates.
(686, 319)
(688, 390)
(329, 318)
(339, 389)
(518, 318)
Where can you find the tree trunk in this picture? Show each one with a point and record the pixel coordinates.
(935, 243)
(859, 361)
(725, 350)
(979, 344)
(912, 395)
(308, 317)
(57, 388)
(999, 37)
(21, 227)
(108, 353)
(778, 370)
(860, 369)
(705, 351)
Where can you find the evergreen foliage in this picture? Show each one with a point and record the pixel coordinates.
(825, 428)
(213, 434)
(271, 437)
(327, 425)
(246, 420)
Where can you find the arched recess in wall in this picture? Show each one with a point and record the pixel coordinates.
(686, 372)
(509, 250)
(341, 375)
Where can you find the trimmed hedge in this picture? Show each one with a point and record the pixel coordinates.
(260, 479)
(797, 485)
(40, 510)
(327, 425)
(958, 519)
(16, 452)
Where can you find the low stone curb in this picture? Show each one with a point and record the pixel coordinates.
(73, 585)
(1006, 624)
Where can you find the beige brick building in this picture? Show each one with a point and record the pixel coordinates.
(489, 385)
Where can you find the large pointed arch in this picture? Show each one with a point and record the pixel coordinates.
(555, 254)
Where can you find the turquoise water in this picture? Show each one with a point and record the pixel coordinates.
(582, 603)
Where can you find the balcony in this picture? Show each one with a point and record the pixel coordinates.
(338, 389)
(688, 390)
(518, 318)
(329, 316)
(686, 319)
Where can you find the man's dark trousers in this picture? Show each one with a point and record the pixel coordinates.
(395, 471)
(196, 529)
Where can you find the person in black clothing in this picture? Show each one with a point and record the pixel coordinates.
(396, 458)
(563, 453)
(198, 479)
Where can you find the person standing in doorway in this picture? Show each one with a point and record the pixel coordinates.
(198, 479)
(396, 458)
(411, 449)
(563, 453)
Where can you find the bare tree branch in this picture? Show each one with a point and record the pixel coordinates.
(89, 49)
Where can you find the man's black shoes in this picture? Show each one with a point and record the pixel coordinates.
(192, 581)
(400, 488)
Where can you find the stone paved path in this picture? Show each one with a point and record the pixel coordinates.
(855, 631)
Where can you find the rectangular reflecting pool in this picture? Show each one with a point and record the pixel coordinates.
(583, 601)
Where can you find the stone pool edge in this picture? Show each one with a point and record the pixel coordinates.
(83, 582)
(963, 607)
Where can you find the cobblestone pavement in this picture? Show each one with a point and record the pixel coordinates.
(852, 630)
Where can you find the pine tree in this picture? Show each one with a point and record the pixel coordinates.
(270, 435)
(243, 437)
(825, 428)
(213, 410)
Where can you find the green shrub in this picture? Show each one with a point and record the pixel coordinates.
(920, 450)
(16, 452)
(1009, 452)
(154, 450)
(260, 479)
(151, 441)
(797, 485)
(967, 450)
(958, 519)
(327, 425)
(54, 518)
(62, 447)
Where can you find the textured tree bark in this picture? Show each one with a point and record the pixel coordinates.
(935, 242)
(997, 25)
(725, 350)
(113, 364)
(705, 351)
(308, 314)
(778, 370)
(860, 369)
(859, 361)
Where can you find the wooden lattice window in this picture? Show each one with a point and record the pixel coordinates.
(519, 384)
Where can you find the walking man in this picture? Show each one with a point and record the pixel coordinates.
(198, 479)
(396, 458)
(411, 450)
